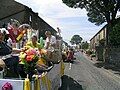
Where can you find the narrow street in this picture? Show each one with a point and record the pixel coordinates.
(84, 75)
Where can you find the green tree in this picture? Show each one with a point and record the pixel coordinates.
(99, 11)
(76, 39)
(115, 35)
(85, 45)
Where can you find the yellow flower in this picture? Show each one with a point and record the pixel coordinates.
(22, 55)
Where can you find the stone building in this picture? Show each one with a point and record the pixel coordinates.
(97, 43)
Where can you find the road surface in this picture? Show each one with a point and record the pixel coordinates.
(84, 75)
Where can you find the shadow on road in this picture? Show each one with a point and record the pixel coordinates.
(73, 62)
(99, 64)
(107, 66)
(69, 83)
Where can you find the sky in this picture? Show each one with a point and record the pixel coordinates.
(70, 21)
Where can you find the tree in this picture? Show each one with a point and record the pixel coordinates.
(99, 11)
(76, 39)
(115, 35)
(85, 45)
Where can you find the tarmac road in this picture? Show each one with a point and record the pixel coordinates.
(84, 75)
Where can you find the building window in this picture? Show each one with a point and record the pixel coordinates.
(30, 18)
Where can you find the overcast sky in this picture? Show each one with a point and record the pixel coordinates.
(70, 21)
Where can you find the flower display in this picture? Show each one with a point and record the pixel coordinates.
(29, 59)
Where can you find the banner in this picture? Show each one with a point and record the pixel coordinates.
(16, 84)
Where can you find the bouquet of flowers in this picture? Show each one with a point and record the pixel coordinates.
(29, 59)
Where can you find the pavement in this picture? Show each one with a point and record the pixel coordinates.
(111, 69)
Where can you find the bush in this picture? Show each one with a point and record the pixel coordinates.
(92, 55)
(88, 52)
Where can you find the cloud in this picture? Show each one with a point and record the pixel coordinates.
(54, 9)
(71, 21)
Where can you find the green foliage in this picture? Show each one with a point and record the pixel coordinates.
(93, 55)
(115, 35)
(76, 39)
(99, 11)
(85, 45)
(88, 52)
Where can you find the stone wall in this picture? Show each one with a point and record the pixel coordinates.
(115, 56)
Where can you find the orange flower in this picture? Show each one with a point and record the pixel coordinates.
(29, 57)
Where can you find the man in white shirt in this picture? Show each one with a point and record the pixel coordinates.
(50, 40)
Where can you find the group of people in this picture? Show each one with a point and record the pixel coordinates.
(50, 41)
(68, 55)
(11, 58)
